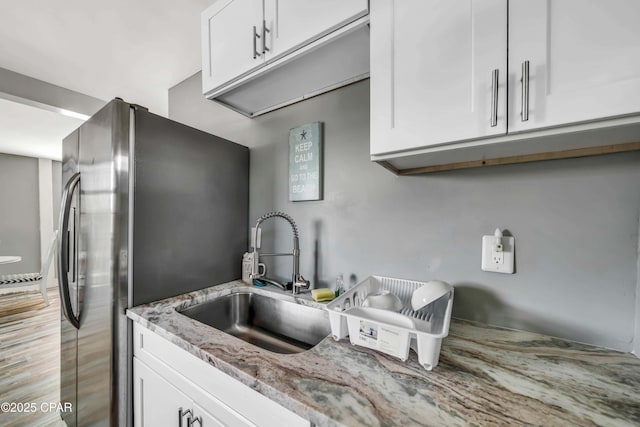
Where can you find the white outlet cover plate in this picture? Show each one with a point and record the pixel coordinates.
(508, 251)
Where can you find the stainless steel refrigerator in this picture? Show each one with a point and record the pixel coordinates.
(151, 209)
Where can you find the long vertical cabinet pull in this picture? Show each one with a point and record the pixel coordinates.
(494, 98)
(265, 30)
(524, 114)
(255, 47)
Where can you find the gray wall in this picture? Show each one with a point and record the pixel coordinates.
(575, 221)
(56, 183)
(636, 340)
(19, 213)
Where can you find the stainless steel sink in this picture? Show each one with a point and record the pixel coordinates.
(274, 323)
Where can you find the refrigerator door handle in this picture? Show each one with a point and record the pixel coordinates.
(63, 250)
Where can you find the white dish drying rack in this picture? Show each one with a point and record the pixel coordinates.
(387, 331)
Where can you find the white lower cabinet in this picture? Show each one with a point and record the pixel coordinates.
(158, 403)
(171, 387)
(205, 418)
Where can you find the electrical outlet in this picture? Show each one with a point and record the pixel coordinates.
(498, 257)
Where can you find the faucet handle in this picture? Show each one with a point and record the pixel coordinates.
(300, 282)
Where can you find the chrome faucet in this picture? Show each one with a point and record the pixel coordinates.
(296, 278)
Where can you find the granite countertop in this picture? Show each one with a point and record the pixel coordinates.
(486, 375)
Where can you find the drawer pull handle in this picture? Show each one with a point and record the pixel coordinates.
(255, 48)
(494, 98)
(265, 30)
(181, 414)
(524, 114)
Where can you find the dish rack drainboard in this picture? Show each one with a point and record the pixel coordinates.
(389, 332)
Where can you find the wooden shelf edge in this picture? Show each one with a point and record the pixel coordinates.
(553, 155)
(388, 166)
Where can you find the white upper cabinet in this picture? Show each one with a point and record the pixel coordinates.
(438, 72)
(583, 58)
(293, 23)
(230, 45)
(241, 36)
(450, 90)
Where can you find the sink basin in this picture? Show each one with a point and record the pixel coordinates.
(273, 323)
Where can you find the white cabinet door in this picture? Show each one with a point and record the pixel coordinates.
(206, 419)
(230, 47)
(211, 394)
(584, 60)
(294, 23)
(156, 402)
(432, 72)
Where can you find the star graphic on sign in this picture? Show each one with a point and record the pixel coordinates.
(303, 135)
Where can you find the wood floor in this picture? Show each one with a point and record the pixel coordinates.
(30, 357)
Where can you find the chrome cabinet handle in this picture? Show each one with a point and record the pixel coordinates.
(494, 98)
(181, 414)
(193, 421)
(524, 113)
(255, 48)
(63, 250)
(265, 30)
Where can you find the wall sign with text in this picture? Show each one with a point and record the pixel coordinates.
(305, 162)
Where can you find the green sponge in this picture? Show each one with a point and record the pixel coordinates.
(322, 294)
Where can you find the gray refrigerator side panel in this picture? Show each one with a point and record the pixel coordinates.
(191, 207)
(101, 338)
(68, 333)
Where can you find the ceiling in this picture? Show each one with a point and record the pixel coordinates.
(33, 132)
(135, 50)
